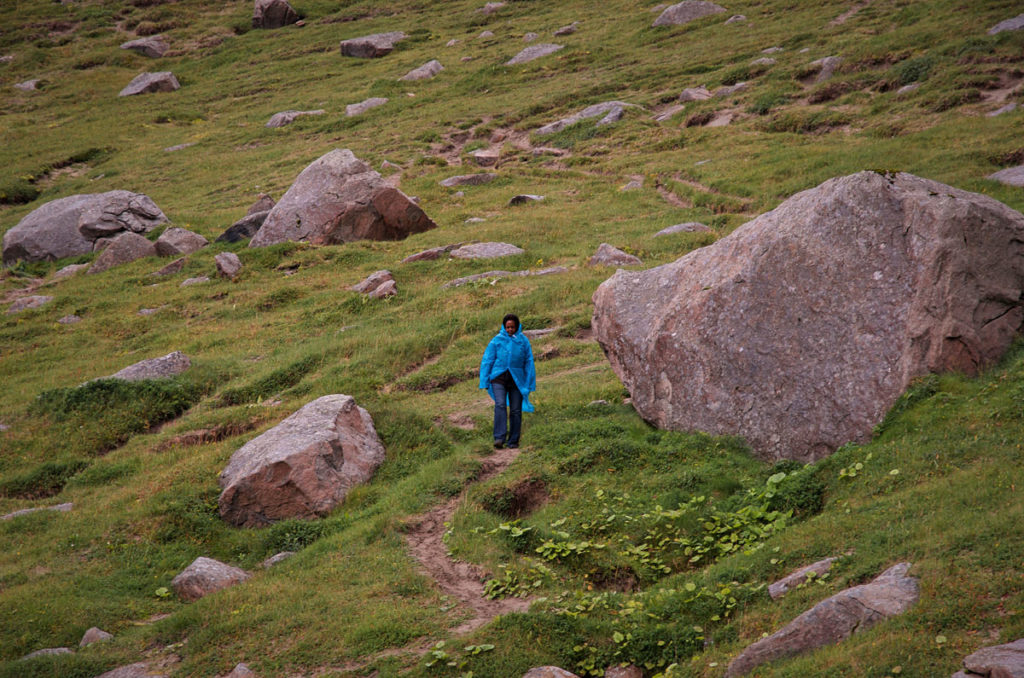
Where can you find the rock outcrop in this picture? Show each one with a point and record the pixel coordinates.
(800, 577)
(856, 609)
(1011, 176)
(152, 46)
(123, 249)
(1014, 24)
(25, 303)
(801, 329)
(486, 250)
(533, 52)
(288, 117)
(146, 83)
(71, 226)
(337, 199)
(608, 111)
(228, 264)
(164, 367)
(271, 14)
(204, 576)
(175, 242)
(469, 179)
(1000, 661)
(687, 11)
(688, 227)
(304, 466)
(371, 46)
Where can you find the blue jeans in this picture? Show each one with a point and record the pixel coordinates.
(514, 416)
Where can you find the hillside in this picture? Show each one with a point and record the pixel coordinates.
(635, 545)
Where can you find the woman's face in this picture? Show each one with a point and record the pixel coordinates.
(510, 327)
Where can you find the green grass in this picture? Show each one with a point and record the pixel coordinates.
(938, 485)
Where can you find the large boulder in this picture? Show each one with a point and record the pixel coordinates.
(801, 329)
(371, 46)
(1000, 661)
(123, 249)
(273, 14)
(145, 83)
(687, 11)
(204, 576)
(304, 466)
(337, 199)
(851, 611)
(70, 226)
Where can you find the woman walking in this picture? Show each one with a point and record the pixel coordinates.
(507, 373)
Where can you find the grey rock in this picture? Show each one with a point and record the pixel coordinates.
(199, 280)
(432, 253)
(178, 147)
(371, 46)
(486, 250)
(337, 199)
(25, 303)
(524, 198)
(469, 179)
(859, 286)
(288, 117)
(149, 311)
(475, 220)
(137, 670)
(598, 403)
(729, 90)
(607, 255)
(495, 275)
(533, 52)
(685, 12)
(549, 672)
(6, 58)
(1000, 661)
(276, 558)
(826, 67)
(608, 111)
(179, 241)
(1014, 24)
(68, 271)
(424, 72)
(304, 466)
(795, 579)
(70, 226)
(205, 576)
(487, 157)
(125, 248)
(163, 367)
(567, 30)
(61, 508)
(69, 320)
(485, 34)
(28, 85)
(530, 37)
(629, 671)
(736, 19)
(633, 185)
(172, 268)
(47, 652)
(833, 620)
(372, 282)
(246, 227)
(491, 7)
(1012, 106)
(264, 203)
(95, 635)
(270, 14)
(908, 89)
(1011, 176)
(241, 671)
(152, 46)
(386, 289)
(364, 106)
(452, 43)
(228, 264)
(772, 50)
(145, 83)
(694, 94)
(763, 61)
(688, 227)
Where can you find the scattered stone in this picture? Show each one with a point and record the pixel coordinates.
(276, 558)
(486, 250)
(633, 185)
(763, 61)
(288, 117)
(694, 94)
(607, 255)
(304, 466)
(337, 199)
(524, 198)
(451, 43)
(799, 577)
(69, 320)
(62, 508)
(611, 111)
(137, 670)
(469, 179)
(833, 620)
(1014, 24)
(736, 18)
(825, 68)
(687, 11)
(822, 366)
(204, 576)
(1011, 176)
(688, 227)
(172, 268)
(485, 35)
(123, 249)
(71, 226)
(772, 50)
(908, 89)
(1000, 661)
(548, 672)
(25, 303)
(228, 264)
(567, 30)
(241, 671)
(47, 652)
(431, 254)
(163, 367)
(598, 403)
(144, 83)
(152, 46)
(95, 635)
(475, 220)
(188, 282)
(178, 241)
(424, 72)
(149, 311)
(629, 671)
(491, 7)
(271, 14)
(375, 281)
(530, 37)
(28, 85)
(533, 52)
(371, 46)
(179, 147)
(494, 275)
(1012, 106)
(68, 271)
(731, 89)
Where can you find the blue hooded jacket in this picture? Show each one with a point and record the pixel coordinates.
(512, 353)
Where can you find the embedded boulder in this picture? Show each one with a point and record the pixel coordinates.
(153, 46)
(288, 117)
(608, 111)
(71, 226)
(164, 367)
(469, 179)
(1000, 661)
(174, 242)
(371, 46)
(145, 83)
(833, 620)
(25, 303)
(424, 72)
(304, 466)
(486, 250)
(377, 285)
(801, 329)
(337, 199)
(123, 249)
(204, 576)
(363, 106)
(608, 255)
(272, 14)
(533, 52)
(685, 12)
(1011, 176)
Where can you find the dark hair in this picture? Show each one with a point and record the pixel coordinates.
(511, 316)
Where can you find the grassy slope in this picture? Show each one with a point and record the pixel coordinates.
(289, 330)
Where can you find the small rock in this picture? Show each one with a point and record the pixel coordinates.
(688, 227)
(276, 558)
(533, 52)
(371, 46)
(1011, 176)
(486, 250)
(143, 83)
(172, 268)
(163, 367)
(137, 670)
(388, 165)
(1012, 106)
(598, 403)
(424, 72)
(687, 11)
(491, 7)
(549, 672)
(736, 18)
(694, 94)
(494, 275)
(25, 303)
(567, 30)
(487, 158)
(475, 220)
(62, 508)
(47, 652)
(607, 255)
(246, 227)
(772, 50)
(204, 576)
(530, 37)
(799, 577)
(907, 89)
(537, 334)
(179, 147)
(763, 61)
(68, 271)
(459, 194)
(1014, 24)
(178, 241)
(188, 282)
(388, 288)
(125, 248)
(431, 254)
(633, 185)
(469, 179)
(28, 85)
(241, 671)
(69, 320)
(228, 264)
(485, 35)
(524, 199)
(288, 117)
(153, 46)
(731, 89)
(826, 67)
(451, 43)
(629, 671)
(95, 635)
(375, 280)
(149, 311)
(6, 59)
(363, 106)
